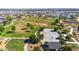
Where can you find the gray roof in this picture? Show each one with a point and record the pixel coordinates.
(54, 45)
(50, 35)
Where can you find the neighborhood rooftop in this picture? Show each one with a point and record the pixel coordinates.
(50, 35)
(54, 45)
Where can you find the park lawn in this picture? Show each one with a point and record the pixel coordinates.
(45, 20)
(14, 34)
(32, 32)
(15, 45)
(24, 21)
(29, 19)
(11, 35)
(40, 20)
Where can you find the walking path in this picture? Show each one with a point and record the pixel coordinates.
(4, 43)
(10, 23)
(75, 41)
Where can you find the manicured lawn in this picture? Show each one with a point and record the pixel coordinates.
(15, 45)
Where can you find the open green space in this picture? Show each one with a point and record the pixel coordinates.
(15, 45)
(14, 34)
(8, 32)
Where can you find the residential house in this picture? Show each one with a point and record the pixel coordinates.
(51, 37)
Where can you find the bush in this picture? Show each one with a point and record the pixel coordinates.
(37, 49)
(10, 32)
(67, 48)
(13, 27)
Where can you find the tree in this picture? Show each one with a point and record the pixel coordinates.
(53, 22)
(9, 18)
(29, 25)
(4, 23)
(61, 39)
(68, 37)
(34, 39)
(40, 36)
(60, 26)
(74, 34)
(56, 28)
(57, 21)
(41, 28)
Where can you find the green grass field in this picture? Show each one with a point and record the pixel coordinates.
(18, 34)
(15, 45)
